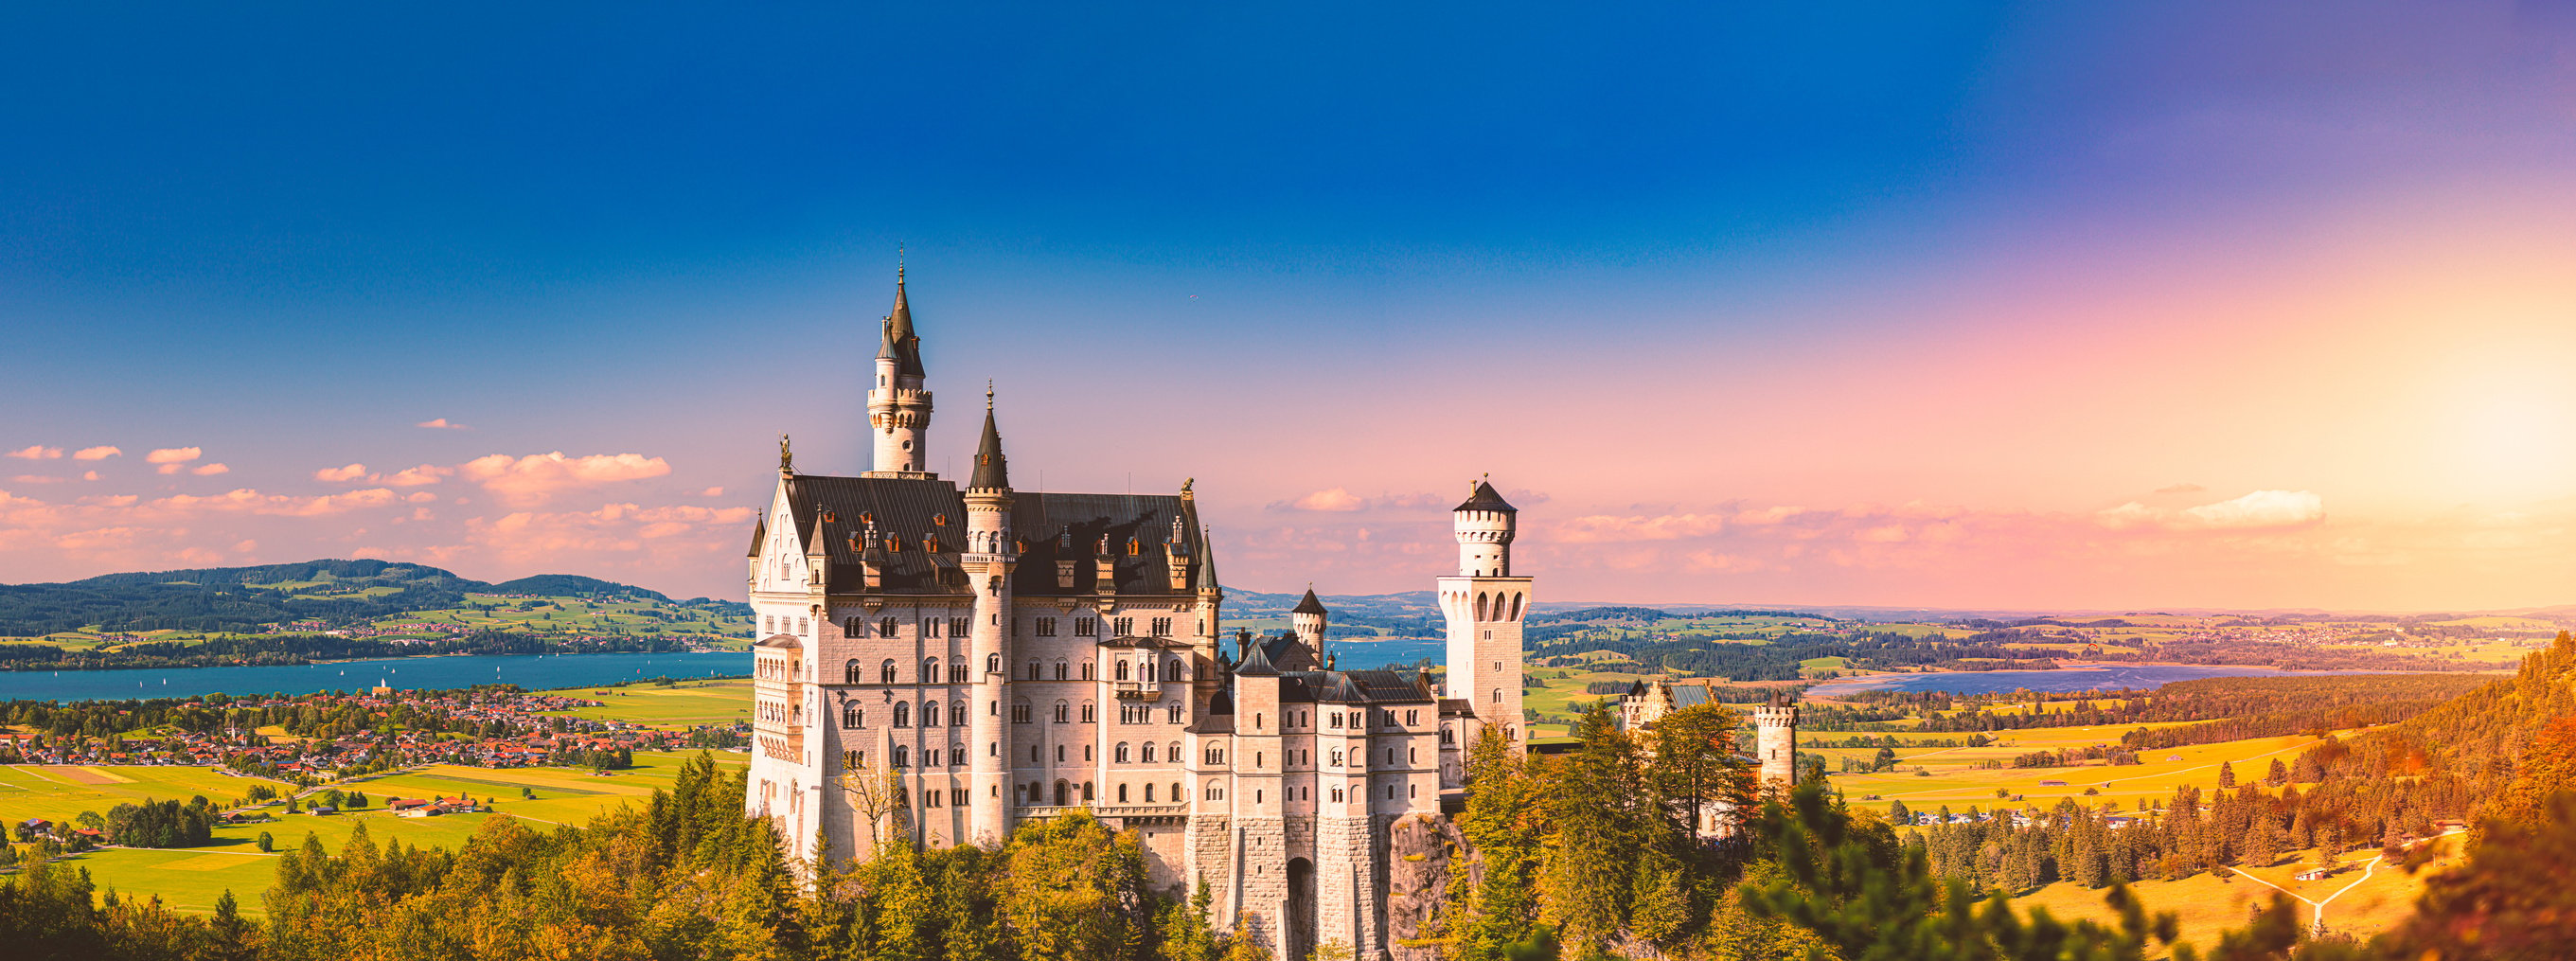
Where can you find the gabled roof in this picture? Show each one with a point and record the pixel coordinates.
(759, 534)
(1254, 663)
(1485, 498)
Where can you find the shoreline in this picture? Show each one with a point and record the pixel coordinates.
(1886, 680)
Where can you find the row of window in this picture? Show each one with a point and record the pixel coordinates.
(887, 673)
(937, 627)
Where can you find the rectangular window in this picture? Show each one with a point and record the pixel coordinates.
(1162, 627)
(1046, 627)
(930, 627)
(957, 627)
(1123, 627)
(1086, 627)
(885, 627)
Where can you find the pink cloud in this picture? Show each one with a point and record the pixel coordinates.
(712, 492)
(341, 474)
(422, 475)
(89, 475)
(249, 501)
(532, 479)
(97, 453)
(174, 455)
(36, 479)
(37, 452)
(210, 470)
(441, 423)
(1340, 500)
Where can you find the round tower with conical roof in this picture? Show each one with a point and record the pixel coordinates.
(898, 404)
(1308, 620)
(991, 555)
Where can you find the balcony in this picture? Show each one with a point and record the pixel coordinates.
(1139, 690)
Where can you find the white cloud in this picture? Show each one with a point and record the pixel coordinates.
(37, 452)
(341, 474)
(174, 455)
(441, 424)
(97, 453)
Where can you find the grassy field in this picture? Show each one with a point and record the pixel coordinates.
(679, 705)
(2359, 901)
(191, 879)
(1951, 775)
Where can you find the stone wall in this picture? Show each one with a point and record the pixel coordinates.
(1419, 852)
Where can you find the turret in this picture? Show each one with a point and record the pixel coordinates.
(992, 553)
(1775, 744)
(898, 404)
(1484, 526)
(1308, 620)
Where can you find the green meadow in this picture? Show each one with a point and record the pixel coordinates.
(190, 879)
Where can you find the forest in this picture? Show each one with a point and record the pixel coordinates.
(306, 648)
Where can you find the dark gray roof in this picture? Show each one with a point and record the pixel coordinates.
(1049, 525)
(1289, 652)
(1310, 605)
(1689, 695)
(1255, 664)
(900, 341)
(990, 471)
(759, 534)
(1485, 498)
(1354, 687)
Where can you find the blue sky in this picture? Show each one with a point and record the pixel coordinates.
(1287, 251)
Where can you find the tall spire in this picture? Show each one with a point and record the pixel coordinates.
(991, 472)
(901, 341)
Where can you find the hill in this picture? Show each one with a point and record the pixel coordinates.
(326, 593)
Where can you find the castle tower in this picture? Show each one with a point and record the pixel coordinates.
(898, 405)
(1485, 605)
(988, 561)
(1308, 620)
(1775, 743)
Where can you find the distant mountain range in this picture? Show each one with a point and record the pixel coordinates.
(249, 599)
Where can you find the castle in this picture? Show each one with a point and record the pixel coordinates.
(938, 664)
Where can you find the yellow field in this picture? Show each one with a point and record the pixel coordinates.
(1953, 778)
(2362, 901)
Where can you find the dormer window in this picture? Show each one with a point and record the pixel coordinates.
(930, 543)
(1134, 548)
(939, 519)
(894, 542)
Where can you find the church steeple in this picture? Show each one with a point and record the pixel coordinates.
(899, 401)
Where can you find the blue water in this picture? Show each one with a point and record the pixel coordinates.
(531, 671)
(2114, 677)
(1373, 655)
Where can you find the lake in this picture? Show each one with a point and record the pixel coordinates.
(2090, 677)
(532, 671)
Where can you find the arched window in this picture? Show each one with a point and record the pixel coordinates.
(1176, 790)
(930, 670)
(902, 716)
(1122, 670)
(1149, 752)
(1033, 670)
(1122, 794)
(1175, 755)
(992, 663)
(854, 627)
(1122, 752)
(1172, 669)
(902, 754)
(1063, 671)
(1480, 605)
(852, 716)
(1175, 711)
(957, 714)
(1516, 607)
(1086, 791)
(885, 672)
(1215, 790)
(850, 673)
(1086, 671)
(1063, 712)
(1498, 695)
(1020, 711)
(1149, 794)
(930, 714)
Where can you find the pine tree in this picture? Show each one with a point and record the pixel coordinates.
(2226, 774)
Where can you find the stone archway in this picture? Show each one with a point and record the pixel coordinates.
(1301, 908)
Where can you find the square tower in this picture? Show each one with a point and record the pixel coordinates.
(1485, 606)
